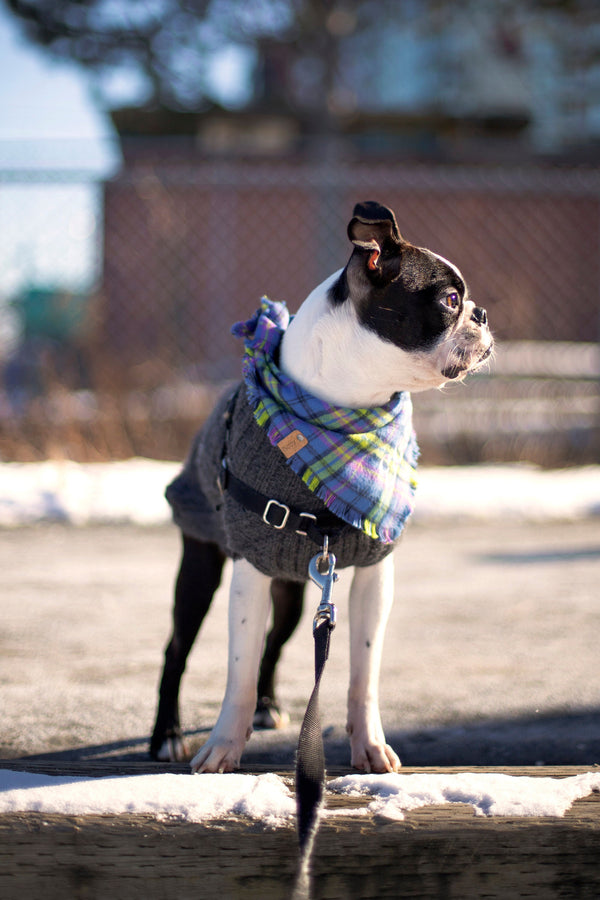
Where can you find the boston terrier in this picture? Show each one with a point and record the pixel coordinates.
(315, 443)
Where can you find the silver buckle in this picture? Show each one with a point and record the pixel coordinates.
(306, 516)
(281, 506)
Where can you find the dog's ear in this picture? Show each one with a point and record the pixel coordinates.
(373, 227)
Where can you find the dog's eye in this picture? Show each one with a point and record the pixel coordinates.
(452, 300)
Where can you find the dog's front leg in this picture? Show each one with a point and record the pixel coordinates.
(371, 598)
(249, 604)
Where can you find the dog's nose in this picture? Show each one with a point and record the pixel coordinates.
(479, 315)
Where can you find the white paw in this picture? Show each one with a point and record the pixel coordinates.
(370, 753)
(222, 751)
(215, 756)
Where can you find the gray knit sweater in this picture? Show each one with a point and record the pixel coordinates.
(203, 512)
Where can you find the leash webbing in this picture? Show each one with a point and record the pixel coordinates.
(310, 766)
(310, 757)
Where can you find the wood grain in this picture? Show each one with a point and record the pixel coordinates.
(437, 852)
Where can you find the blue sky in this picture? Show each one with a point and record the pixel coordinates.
(49, 231)
(50, 122)
(42, 100)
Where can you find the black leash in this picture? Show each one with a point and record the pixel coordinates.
(310, 758)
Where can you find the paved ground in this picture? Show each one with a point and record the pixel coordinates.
(491, 656)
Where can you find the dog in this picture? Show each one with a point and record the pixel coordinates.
(396, 319)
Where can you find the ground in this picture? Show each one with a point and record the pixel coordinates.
(491, 656)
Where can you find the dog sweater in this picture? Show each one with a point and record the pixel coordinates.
(236, 432)
(203, 511)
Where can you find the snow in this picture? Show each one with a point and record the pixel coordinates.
(189, 798)
(266, 798)
(132, 491)
(513, 491)
(489, 794)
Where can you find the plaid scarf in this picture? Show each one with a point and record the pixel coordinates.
(359, 462)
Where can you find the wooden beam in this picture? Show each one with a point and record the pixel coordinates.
(442, 851)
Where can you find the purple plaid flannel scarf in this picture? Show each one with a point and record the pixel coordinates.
(360, 462)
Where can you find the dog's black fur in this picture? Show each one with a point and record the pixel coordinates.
(402, 285)
(198, 578)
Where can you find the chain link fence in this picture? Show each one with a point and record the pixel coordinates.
(126, 357)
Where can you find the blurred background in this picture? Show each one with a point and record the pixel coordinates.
(163, 164)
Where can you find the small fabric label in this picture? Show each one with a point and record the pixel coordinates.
(292, 443)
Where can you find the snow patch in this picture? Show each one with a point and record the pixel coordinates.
(202, 798)
(489, 794)
(132, 492)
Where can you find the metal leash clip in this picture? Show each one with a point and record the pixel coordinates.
(326, 611)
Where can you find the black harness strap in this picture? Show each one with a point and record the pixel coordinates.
(279, 515)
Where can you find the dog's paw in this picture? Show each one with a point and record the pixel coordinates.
(268, 716)
(171, 749)
(370, 753)
(222, 751)
(376, 758)
(216, 756)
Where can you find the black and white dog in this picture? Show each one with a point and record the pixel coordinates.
(397, 318)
